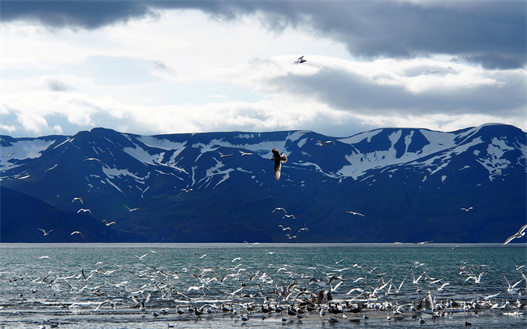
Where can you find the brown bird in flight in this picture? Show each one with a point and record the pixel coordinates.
(278, 160)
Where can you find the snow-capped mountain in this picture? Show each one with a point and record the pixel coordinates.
(410, 184)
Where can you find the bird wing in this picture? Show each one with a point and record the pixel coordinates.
(276, 154)
(522, 229)
(509, 239)
(283, 158)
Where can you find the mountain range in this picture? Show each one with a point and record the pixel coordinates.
(385, 185)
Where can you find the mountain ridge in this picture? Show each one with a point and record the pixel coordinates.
(394, 176)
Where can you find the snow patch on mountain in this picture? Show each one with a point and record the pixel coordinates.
(494, 161)
(161, 143)
(355, 139)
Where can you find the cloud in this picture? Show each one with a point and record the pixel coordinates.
(491, 33)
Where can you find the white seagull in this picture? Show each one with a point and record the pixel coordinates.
(131, 209)
(46, 233)
(225, 155)
(466, 209)
(246, 153)
(355, 213)
(84, 210)
(77, 232)
(321, 143)
(278, 160)
(77, 199)
(519, 234)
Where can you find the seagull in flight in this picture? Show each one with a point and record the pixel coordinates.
(77, 232)
(84, 210)
(278, 208)
(46, 233)
(466, 209)
(278, 160)
(321, 143)
(225, 155)
(131, 209)
(300, 60)
(186, 190)
(77, 199)
(246, 153)
(108, 224)
(516, 235)
(355, 213)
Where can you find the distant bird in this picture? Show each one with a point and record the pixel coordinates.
(77, 199)
(284, 228)
(46, 233)
(290, 237)
(246, 153)
(303, 229)
(321, 143)
(186, 190)
(289, 216)
(278, 160)
(300, 60)
(147, 253)
(519, 234)
(278, 208)
(108, 223)
(466, 209)
(11, 154)
(77, 232)
(92, 159)
(355, 213)
(225, 155)
(84, 210)
(131, 209)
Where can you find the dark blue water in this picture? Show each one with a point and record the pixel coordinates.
(143, 286)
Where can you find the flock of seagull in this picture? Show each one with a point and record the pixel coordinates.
(268, 286)
(86, 210)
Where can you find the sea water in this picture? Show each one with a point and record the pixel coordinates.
(144, 285)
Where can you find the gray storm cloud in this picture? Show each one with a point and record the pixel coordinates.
(490, 33)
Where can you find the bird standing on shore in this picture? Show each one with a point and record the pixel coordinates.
(278, 160)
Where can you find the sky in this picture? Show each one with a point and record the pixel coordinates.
(160, 67)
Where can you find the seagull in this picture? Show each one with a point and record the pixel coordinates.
(186, 190)
(108, 224)
(355, 213)
(466, 209)
(300, 60)
(225, 155)
(45, 232)
(321, 143)
(246, 153)
(519, 234)
(10, 154)
(275, 209)
(278, 160)
(92, 159)
(77, 199)
(84, 210)
(77, 232)
(289, 216)
(284, 228)
(131, 209)
(147, 253)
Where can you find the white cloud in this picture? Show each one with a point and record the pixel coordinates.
(185, 72)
